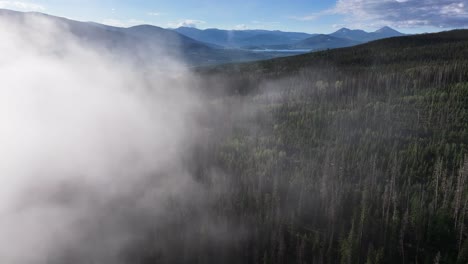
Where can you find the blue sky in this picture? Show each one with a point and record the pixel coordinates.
(313, 16)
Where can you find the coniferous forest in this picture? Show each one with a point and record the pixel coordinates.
(354, 155)
(351, 155)
(123, 142)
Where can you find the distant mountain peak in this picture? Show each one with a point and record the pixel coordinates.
(387, 29)
(344, 29)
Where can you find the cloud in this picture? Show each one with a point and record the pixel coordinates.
(339, 25)
(305, 18)
(92, 147)
(405, 13)
(23, 6)
(193, 23)
(240, 27)
(123, 23)
(309, 17)
(154, 14)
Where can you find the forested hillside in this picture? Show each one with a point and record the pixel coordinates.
(355, 155)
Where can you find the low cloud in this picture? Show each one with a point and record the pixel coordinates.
(92, 147)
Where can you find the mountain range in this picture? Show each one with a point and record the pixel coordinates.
(318, 42)
(241, 38)
(148, 43)
(363, 36)
(142, 44)
(279, 40)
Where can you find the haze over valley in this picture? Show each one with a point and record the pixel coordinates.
(128, 141)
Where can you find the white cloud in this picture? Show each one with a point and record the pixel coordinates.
(240, 27)
(397, 13)
(186, 23)
(154, 14)
(455, 9)
(305, 18)
(312, 16)
(89, 143)
(23, 6)
(405, 13)
(338, 25)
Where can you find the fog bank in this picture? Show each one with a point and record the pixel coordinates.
(91, 147)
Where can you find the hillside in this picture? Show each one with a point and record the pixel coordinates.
(416, 49)
(354, 155)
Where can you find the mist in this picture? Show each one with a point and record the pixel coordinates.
(93, 148)
(123, 146)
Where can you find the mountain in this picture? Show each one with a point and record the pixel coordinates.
(346, 33)
(319, 42)
(363, 36)
(142, 44)
(241, 38)
(278, 40)
(406, 50)
(147, 43)
(263, 38)
(387, 32)
(323, 42)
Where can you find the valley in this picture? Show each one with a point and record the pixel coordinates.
(145, 144)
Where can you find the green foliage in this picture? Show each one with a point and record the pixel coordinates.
(376, 134)
(356, 155)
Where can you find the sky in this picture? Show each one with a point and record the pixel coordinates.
(311, 16)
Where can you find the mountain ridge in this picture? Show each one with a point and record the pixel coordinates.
(364, 36)
(241, 38)
(142, 43)
(275, 39)
(148, 43)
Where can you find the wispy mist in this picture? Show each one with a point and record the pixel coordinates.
(92, 148)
